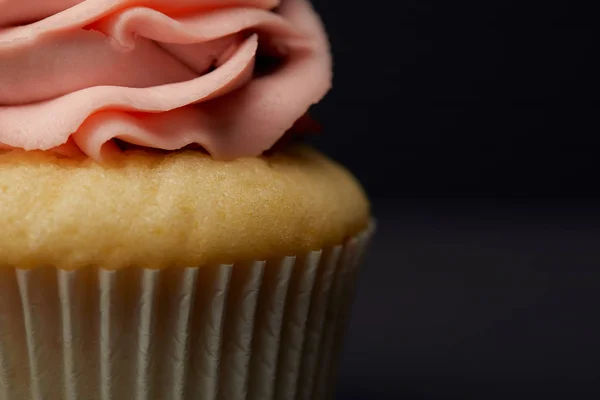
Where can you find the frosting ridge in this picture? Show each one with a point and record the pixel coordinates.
(158, 73)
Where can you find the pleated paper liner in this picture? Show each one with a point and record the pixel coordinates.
(252, 330)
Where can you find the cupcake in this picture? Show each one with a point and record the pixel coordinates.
(160, 239)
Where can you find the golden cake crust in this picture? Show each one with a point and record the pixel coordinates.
(184, 208)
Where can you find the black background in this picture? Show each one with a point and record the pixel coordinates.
(473, 129)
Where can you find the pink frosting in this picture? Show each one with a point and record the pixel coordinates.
(76, 74)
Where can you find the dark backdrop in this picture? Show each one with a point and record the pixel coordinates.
(473, 128)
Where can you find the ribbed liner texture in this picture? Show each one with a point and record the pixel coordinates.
(253, 330)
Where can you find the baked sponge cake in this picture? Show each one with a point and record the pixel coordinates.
(184, 208)
(158, 238)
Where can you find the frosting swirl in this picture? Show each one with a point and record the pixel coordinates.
(157, 73)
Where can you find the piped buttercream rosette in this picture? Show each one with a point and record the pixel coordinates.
(76, 75)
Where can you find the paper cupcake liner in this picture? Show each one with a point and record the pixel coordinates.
(256, 330)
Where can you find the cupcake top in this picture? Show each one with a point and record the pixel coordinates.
(229, 75)
(92, 79)
(183, 208)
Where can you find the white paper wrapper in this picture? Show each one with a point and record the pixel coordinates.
(253, 330)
